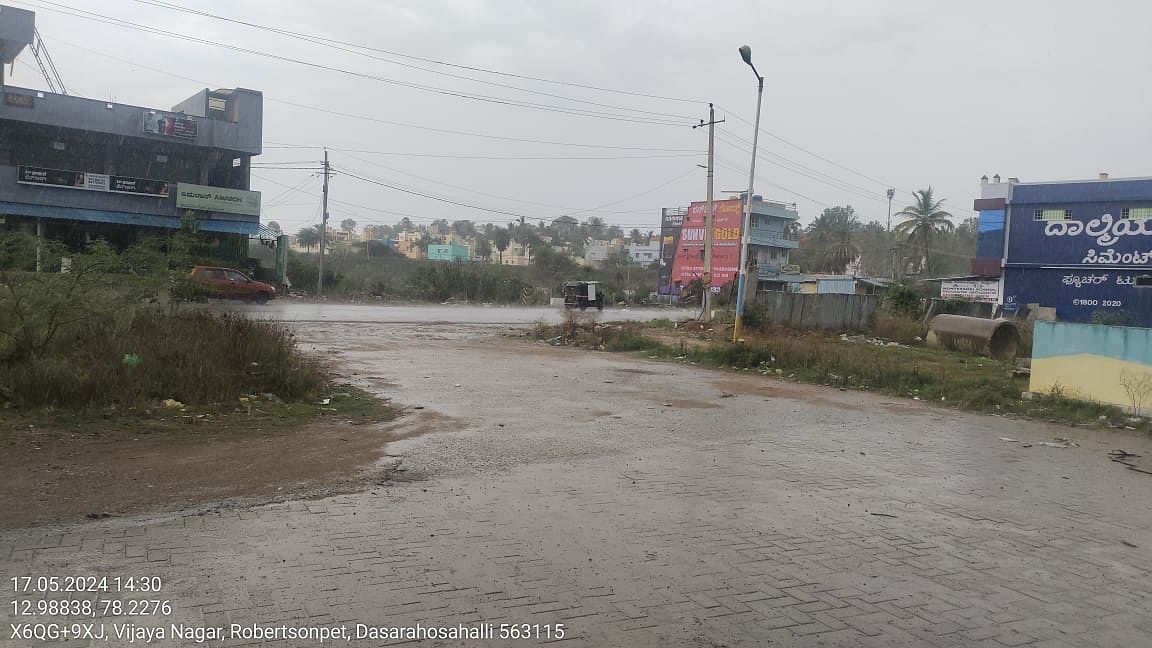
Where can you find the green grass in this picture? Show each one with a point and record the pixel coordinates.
(940, 377)
(188, 355)
(238, 418)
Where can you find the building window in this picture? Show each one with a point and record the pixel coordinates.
(1052, 214)
(1136, 213)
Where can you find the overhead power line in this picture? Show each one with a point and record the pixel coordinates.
(802, 169)
(580, 112)
(365, 178)
(471, 68)
(809, 152)
(359, 50)
(465, 156)
(823, 158)
(763, 181)
(765, 157)
(377, 120)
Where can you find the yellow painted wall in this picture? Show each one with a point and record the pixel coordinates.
(1090, 377)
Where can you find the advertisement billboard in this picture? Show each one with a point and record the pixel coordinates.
(177, 126)
(1080, 248)
(971, 290)
(688, 260)
(91, 181)
(670, 222)
(217, 199)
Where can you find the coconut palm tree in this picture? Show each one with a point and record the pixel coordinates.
(501, 238)
(924, 219)
(830, 237)
(309, 237)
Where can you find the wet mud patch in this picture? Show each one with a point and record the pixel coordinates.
(775, 388)
(633, 370)
(62, 478)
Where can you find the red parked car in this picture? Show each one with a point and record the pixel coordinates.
(226, 283)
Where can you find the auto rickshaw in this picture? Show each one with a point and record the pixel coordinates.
(582, 294)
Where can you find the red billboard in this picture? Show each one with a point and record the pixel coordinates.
(688, 264)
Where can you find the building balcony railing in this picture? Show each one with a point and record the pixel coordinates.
(770, 271)
(771, 238)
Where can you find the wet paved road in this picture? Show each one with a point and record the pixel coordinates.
(638, 505)
(297, 311)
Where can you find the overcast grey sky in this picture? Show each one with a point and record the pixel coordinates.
(904, 93)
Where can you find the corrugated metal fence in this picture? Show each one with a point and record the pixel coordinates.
(826, 311)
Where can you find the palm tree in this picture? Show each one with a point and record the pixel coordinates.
(925, 218)
(309, 237)
(831, 238)
(501, 238)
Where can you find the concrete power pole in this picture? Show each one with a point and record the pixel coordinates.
(323, 228)
(891, 193)
(706, 298)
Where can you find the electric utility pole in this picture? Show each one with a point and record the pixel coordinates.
(891, 193)
(323, 228)
(706, 298)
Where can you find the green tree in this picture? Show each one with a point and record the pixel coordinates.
(830, 240)
(309, 237)
(501, 238)
(379, 232)
(593, 228)
(875, 245)
(275, 227)
(926, 219)
(348, 225)
(483, 248)
(464, 228)
(553, 261)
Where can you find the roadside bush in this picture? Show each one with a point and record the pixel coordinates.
(903, 300)
(755, 315)
(89, 337)
(900, 329)
(192, 356)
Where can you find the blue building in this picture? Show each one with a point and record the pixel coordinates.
(448, 252)
(1083, 248)
(771, 240)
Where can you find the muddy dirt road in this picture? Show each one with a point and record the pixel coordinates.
(652, 504)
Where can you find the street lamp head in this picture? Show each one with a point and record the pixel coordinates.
(746, 54)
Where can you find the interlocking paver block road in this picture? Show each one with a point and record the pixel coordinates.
(629, 501)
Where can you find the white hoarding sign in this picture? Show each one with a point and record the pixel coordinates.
(971, 290)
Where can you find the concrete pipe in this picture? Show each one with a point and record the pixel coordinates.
(997, 338)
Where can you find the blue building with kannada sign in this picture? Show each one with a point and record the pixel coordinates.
(1081, 247)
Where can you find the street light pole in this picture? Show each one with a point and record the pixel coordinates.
(745, 225)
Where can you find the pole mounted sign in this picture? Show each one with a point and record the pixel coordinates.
(217, 199)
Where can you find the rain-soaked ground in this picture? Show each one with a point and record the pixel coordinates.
(644, 503)
(292, 310)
